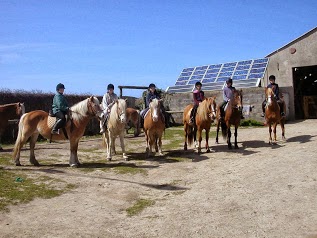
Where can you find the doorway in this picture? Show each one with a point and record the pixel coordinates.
(305, 92)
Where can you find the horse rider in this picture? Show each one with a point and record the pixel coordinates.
(60, 108)
(108, 100)
(198, 96)
(151, 94)
(276, 92)
(227, 96)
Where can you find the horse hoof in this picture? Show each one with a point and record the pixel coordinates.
(73, 165)
(36, 163)
(185, 147)
(18, 164)
(160, 154)
(109, 158)
(208, 151)
(125, 157)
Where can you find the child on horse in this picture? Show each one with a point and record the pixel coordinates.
(227, 95)
(108, 100)
(60, 108)
(276, 91)
(198, 96)
(151, 94)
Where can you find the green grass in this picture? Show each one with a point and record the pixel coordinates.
(251, 123)
(139, 206)
(18, 188)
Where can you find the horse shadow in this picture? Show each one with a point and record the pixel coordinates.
(301, 138)
(260, 144)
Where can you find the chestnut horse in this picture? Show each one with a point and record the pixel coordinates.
(154, 126)
(116, 127)
(232, 117)
(273, 114)
(133, 120)
(206, 113)
(9, 112)
(36, 122)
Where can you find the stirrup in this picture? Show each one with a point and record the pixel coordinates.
(55, 132)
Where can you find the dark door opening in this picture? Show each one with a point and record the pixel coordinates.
(305, 92)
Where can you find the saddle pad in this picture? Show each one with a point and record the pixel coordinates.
(51, 121)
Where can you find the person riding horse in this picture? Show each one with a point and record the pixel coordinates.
(276, 91)
(227, 96)
(108, 100)
(151, 94)
(198, 96)
(60, 108)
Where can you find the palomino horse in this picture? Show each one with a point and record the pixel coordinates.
(206, 113)
(36, 122)
(10, 111)
(232, 117)
(154, 126)
(133, 120)
(116, 127)
(273, 115)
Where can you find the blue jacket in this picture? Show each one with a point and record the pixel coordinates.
(60, 103)
(150, 96)
(276, 90)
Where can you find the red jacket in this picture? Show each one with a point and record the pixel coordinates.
(198, 96)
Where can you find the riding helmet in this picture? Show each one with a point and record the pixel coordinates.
(60, 85)
(110, 86)
(152, 85)
(229, 80)
(272, 77)
(198, 83)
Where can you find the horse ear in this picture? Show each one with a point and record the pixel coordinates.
(126, 99)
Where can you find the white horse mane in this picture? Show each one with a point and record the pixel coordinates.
(79, 110)
(154, 103)
(120, 106)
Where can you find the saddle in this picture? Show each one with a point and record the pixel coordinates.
(51, 120)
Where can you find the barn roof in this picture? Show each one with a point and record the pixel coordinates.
(293, 41)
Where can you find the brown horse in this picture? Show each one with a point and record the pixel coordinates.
(9, 112)
(133, 120)
(116, 127)
(232, 117)
(273, 115)
(206, 113)
(36, 122)
(154, 127)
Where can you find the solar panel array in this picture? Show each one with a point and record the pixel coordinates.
(244, 73)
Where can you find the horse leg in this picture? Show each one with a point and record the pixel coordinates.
(229, 138)
(33, 140)
(122, 146)
(283, 129)
(270, 133)
(160, 145)
(274, 130)
(199, 140)
(195, 137)
(207, 138)
(147, 150)
(185, 135)
(73, 161)
(236, 137)
(218, 127)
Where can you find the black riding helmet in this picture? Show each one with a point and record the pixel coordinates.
(60, 85)
(152, 85)
(198, 83)
(110, 86)
(229, 80)
(272, 77)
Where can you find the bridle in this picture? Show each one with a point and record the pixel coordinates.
(92, 111)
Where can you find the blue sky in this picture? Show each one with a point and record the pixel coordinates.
(88, 44)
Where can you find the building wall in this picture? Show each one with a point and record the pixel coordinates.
(282, 62)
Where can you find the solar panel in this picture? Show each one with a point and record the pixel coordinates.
(246, 73)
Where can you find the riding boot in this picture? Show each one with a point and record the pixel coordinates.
(103, 125)
(58, 124)
(142, 122)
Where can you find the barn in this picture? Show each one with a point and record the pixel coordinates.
(295, 68)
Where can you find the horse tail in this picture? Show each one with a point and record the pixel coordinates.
(224, 130)
(19, 139)
(190, 134)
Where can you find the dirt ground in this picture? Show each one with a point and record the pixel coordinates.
(259, 190)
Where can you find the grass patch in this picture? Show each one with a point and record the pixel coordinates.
(251, 123)
(139, 206)
(129, 169)
(5, 161)
(17, 188)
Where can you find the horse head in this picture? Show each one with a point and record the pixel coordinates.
(94, 107)
(269, 94)
(121, 107)
(237, 99)
(20, 109)
(211, 102)
(155, 109)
